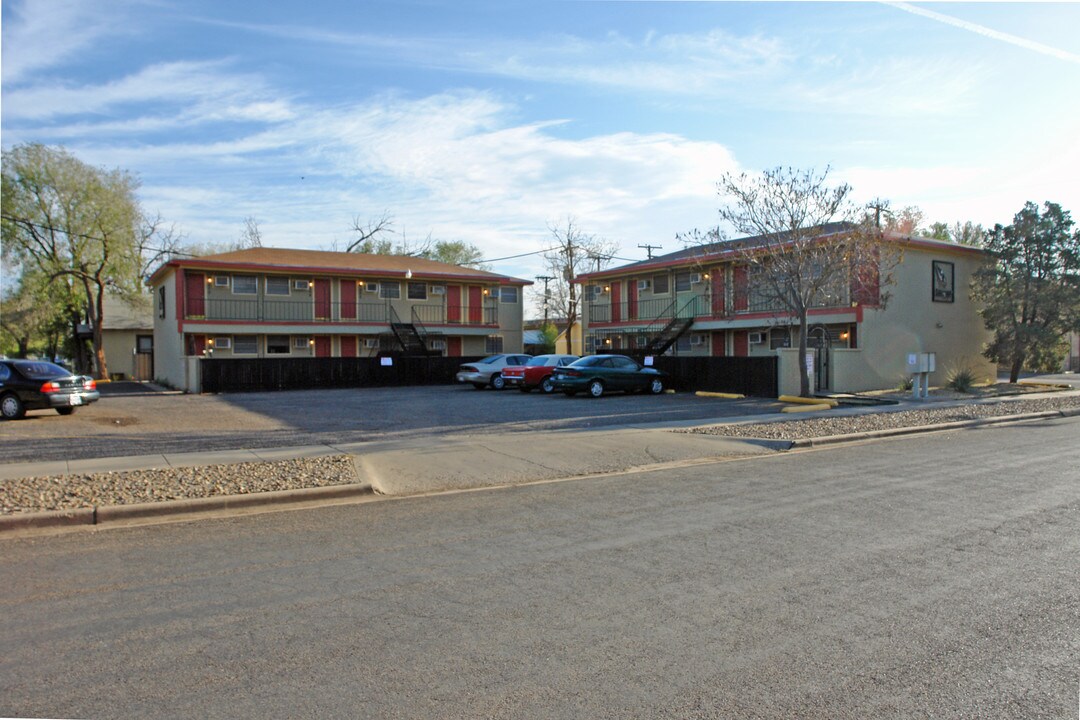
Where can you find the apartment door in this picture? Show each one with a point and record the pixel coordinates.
(631, 299)
(347, 293)
(453, 304)
(144, 357)
(476, 305)
(348, 345)
(616, 302)
(742, 297)
(719, 302)
(719, 343)
(453, 347)
(194, 295)
(322, 346)
(322, 299)
(742, 343)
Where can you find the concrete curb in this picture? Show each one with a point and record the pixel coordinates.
(958, 425)
(106, 514)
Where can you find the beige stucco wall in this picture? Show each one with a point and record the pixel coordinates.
(169, 364)
(912, 323)
(119, 346)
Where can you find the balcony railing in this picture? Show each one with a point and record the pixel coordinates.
(701, 307)
(337, 312)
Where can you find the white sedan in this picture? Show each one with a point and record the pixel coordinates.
(488, 371)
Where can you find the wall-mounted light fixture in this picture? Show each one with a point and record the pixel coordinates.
(408, 274)
(845, 335)
(311, 342)
(209, 280)
(486, 291)
(706, 276)
(210, 342)
(607, 288)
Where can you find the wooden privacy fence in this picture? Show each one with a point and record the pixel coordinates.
(756, 376)
(247, 375)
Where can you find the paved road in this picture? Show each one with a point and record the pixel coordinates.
(154, 424)
(929, 576)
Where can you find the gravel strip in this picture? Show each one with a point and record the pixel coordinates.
(865, 422)
(63, 492)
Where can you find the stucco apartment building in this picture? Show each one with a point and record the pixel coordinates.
(703, 301)
(273, 303)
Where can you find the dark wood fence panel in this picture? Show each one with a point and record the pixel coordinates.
(249, 375)
(755, 376)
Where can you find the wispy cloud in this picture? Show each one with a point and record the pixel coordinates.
(987, 32)
(40, 34)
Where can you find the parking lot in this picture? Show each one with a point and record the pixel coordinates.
(144, 422)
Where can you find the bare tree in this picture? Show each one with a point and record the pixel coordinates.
(807, 243)
(250, 235)
(573, 253)
(369, 236)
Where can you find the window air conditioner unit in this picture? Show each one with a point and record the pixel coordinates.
(371, 343)
(644, 284)
(300, 284)
(695, 278)
(372, 287)
(437, 289)
(756, 338)
(438, 344)
(697, 340)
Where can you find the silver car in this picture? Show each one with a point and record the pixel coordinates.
(488, 371)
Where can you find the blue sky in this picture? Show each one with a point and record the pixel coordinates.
(487, 121)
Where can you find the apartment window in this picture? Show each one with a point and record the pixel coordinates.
(779, 338)
(682, 282)
(245, 285)
(245, 345)
(417, 291)
(592, 292)
(223, 342)
(508, 294)
(277, 344)
(683, 343)
(300, 342)
(277, 286)
(494, 344)
(389, 290)
(221, 281)
(660, 285)
(161, 302)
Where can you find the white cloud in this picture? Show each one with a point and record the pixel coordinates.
(39, 34)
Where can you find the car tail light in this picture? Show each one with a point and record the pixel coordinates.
(90, 384)
(468, 368)
(571, 373)
(50, 387)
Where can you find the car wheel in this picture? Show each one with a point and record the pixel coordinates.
(479, 386)
(498, 382)
(656, 386)
(65, 410)
(11, 407)
(596, 388)
(569, 393)
(547, 386)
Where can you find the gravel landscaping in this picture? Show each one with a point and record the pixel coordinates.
(866, 422)
(64, 492)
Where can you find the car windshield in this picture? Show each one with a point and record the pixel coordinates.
(587, 361)
(42, 370)
(490, 359)
(539, 360)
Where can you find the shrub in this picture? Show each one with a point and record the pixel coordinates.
(906, 383)
(961, 380)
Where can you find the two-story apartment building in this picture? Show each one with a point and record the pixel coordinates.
(706, 301)
(274, 302)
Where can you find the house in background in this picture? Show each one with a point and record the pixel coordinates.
(273, 302)
(703, 301)
(127, 336)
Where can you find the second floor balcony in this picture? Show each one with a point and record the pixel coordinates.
(356, 313)
(700, 307)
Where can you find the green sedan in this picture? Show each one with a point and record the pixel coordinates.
(598, 374)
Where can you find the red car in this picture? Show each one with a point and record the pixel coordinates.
(536, 373)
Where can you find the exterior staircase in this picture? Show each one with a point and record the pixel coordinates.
(408, 335)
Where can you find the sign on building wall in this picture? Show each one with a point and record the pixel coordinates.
(943, 281)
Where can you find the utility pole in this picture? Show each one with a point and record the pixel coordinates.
(649, 248)
(878, 207)
(547, 294)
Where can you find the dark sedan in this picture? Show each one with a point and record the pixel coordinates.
(39, 385)
(598, 374)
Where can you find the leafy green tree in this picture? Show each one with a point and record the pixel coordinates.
(78, 227)
(550, 334)
(1030, 291)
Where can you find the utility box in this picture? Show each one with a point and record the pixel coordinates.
(921, 362)
(920, 365)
